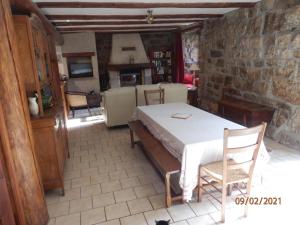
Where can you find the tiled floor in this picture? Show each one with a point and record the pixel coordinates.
(108, 183)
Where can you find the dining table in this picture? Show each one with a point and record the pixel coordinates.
(193, 136)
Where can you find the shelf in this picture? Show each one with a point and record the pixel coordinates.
(118, 67)
(78, 54)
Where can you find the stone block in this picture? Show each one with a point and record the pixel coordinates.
(220, 63)
(287, 90)
(284, 40)
(296, 41)
(216, 53)
(292, 18)
(297, 53)
(261, 88)
(294, 123)
(258, 62)
(273, 22)
(254, 26)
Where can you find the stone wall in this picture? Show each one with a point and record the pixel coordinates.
(255, 54)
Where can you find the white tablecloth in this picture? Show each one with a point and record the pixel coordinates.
(195, 141)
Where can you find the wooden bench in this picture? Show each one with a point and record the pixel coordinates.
(162, 159)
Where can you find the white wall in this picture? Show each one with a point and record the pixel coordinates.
(82, 42)
(127, 40)
(122, 57)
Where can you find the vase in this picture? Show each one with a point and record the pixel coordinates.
(33, 106)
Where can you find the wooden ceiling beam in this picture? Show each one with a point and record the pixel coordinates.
(144, 5)
(130, 17)
(98, 23)
(27, 6)
(125, 31)
(192, 27)
(114, 28)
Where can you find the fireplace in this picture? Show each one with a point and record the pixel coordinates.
(129, 64)
(130, 77)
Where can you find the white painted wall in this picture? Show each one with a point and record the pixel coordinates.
(81, 42)
(122, 57)
(127, 40)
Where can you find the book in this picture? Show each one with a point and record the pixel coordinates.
(181, 115)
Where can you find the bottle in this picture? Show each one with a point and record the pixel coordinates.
(33, 106)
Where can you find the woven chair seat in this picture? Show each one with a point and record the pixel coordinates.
(215, 170)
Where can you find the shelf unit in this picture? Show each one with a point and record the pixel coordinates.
(162, 61)
(34, 54)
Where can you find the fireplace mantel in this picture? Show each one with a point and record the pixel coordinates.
(118, 67)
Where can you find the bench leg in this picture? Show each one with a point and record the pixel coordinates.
(131, 138)
(168, 190)
(229, 189)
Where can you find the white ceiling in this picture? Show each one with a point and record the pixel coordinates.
(136, 11)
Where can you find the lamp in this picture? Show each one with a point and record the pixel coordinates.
(149, 17)
(194, 67)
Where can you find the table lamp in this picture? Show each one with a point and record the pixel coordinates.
(194, 67)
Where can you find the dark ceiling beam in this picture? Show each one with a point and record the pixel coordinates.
(98, 23)
(144, 5)
(130, 17)
(27, 6)
(114, 28)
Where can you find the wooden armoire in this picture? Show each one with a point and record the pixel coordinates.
(40, 75)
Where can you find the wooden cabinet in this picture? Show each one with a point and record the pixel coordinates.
(50, 142)
(33, 45)
(40, 75)
(245, 113)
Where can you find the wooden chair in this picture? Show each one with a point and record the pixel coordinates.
(229, 171)
(158, 92)
(77, 100)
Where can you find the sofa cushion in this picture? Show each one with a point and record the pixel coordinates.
(119, 105)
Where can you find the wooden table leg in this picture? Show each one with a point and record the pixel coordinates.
(168, 190)
(131, 138)
(229, 189)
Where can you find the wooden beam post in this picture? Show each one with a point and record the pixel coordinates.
(16, 131)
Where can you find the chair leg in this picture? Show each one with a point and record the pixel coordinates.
(73, 113)
(229, 189)
(248, 194)
(168, 190)
(224, 194)
(89, 110)
(131, 138)
(199, 186)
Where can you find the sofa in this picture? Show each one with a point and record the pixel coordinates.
(119, 104)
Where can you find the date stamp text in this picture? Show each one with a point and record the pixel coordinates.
(258, 200)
